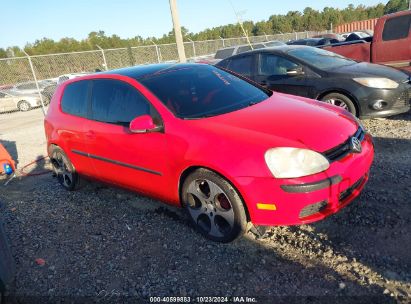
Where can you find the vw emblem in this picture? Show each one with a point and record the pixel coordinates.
(355, 145)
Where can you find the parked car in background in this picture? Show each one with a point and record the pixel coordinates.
(49, 90)
(221, 146)
(364, 89)
(11, 101)
(356, 35)
(390, 45)
(313, 41)
(336, 36)
(29, 87)
(65, 77)
(238, 49)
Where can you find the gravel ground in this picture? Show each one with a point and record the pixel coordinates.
(104, 243)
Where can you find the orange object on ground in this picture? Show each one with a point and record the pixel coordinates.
(5, 158)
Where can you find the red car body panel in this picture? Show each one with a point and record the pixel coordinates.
(395, 53)
(232, 145)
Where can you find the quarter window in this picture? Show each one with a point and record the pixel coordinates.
(396, 28)
(116, 102)
(242, 65)
(75, 97)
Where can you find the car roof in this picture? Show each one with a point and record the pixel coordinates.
(275, 49)
(139, 72)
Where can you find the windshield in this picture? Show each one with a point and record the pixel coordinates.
(195, 91)
(320, 58)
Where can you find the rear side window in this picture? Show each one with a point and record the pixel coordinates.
(224, 53)
(241, 65)
(396, 28)
(116, 102)
(243, 49)
(75, 97)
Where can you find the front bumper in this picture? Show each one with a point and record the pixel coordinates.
(395, 101)
(325, 193)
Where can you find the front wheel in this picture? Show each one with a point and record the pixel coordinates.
(215, 208)
(340, 100)
(24, 106)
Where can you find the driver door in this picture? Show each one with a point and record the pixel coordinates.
(118, 156)
(280, 74)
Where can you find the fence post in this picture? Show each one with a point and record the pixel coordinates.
(35, 80)
(194, 48)
(157, 51)
(296, 36)
(104, 57)
(306, 34)
(222, 40)
(266, 39)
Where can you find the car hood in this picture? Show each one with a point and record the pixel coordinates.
(286, 120)
(364, 69)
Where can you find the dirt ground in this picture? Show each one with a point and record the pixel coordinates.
(106, 244)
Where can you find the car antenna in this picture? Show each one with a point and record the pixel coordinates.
(240, 22)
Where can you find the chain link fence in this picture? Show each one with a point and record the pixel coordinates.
(24, 86)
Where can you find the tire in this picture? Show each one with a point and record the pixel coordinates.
(24, 106)
(213, 205)
(340, 100)
(64, 170)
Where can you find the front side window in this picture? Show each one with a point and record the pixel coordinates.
(396, 28)
(75, 98)
(273, 65)
(202, 90)
(241, 65)
(116, 102)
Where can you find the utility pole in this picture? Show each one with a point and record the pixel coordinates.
(177, 31)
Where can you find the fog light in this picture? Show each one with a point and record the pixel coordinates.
(379, 104)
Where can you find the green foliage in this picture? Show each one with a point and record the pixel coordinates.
(395, 6)
(308, 20)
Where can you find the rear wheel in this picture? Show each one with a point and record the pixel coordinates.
(340, 100)
(24, 106)
(214, 206)
(64, 170)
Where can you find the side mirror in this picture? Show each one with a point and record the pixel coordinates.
(295, 71)
(144, 124)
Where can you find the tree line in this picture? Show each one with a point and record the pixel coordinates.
(294, 21)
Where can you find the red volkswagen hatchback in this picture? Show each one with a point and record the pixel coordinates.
(197, 136)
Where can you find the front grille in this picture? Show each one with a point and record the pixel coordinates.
(403, 99)
(345, 148)
(312, 209)
(346, 193)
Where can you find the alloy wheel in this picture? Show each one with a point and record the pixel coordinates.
(210, 208)
(62, 170)
(337, 102)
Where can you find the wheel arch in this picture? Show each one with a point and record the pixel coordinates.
(343, 92)
(187, 171)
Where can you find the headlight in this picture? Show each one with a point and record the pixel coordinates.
(294, 162)
(379, 83)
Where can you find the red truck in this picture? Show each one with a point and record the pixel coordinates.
(390, 45)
